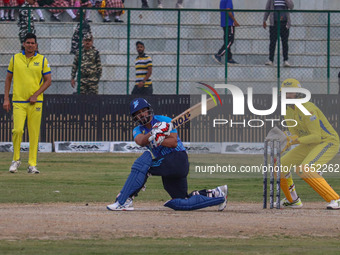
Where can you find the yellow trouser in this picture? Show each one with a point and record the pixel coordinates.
(318, 154)
(33, 114)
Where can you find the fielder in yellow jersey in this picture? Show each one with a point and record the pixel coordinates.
(31, 76)
(318, 144)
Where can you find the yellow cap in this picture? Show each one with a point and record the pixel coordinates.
(290, 83)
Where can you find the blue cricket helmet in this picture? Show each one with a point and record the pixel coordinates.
(138, 104)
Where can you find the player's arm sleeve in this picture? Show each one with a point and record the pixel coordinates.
(292, 130)
(11, 65)
(314, 128)
(74, 66)
(266, 14)
(99, 65)
(136, 131)
(46, 67)
(292, 123)
(149, 63)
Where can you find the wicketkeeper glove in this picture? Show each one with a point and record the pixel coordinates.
(291, 139)
(286, 139)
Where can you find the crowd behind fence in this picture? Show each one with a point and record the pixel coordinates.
(181, 44)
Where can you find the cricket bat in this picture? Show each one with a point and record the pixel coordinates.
(189, 114)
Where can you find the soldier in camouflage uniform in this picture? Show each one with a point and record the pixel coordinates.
(86, 29)
(23, 20)
(91, 67)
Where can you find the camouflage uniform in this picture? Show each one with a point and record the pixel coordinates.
(91, 70)
(75, 38)
(23, 22)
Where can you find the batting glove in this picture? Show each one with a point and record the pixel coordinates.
(157, 140)
(161, 127)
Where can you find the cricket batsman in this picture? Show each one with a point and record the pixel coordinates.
(318, 143)
(166, 157)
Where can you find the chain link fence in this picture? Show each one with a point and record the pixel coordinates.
(181, 44)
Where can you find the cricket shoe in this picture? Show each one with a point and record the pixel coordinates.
(286, 204)
(14, 166)
(127, 206)
(33, 170)
(334, 205)
(222, 192)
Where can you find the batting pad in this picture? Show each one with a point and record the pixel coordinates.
(193, 203)
(285, 186)
(137, 177)
(318, 183)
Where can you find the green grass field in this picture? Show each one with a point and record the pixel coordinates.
(99, 177)
(173, 246)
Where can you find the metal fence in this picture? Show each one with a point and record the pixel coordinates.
(181, 43)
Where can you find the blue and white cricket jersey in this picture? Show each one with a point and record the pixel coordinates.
(160, 150)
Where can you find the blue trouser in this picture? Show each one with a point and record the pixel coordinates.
(174, 169)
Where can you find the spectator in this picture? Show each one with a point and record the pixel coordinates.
(2, 11)
(143, 66)
(57, 12)
(145, 4)
(85, 4)
(117, 13)
(339, 81)
(38, 12)
(91, 67)
(179, 4)
(9, 13)
(31, 75)
(285, 24)
(23, 21)
(232, 23)
(86, 29)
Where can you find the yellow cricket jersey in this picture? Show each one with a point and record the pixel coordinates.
(311, 129)
(27, 75)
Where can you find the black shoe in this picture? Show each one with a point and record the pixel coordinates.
(55, 18)
(218, 59)
(35, 19)
(231, 61)
(145, 6)
(42, 20)
(75, 19)
(119, 20)
(2, 19)
(7, 18)
(88, 20)
(107, 20)
(11, 18)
